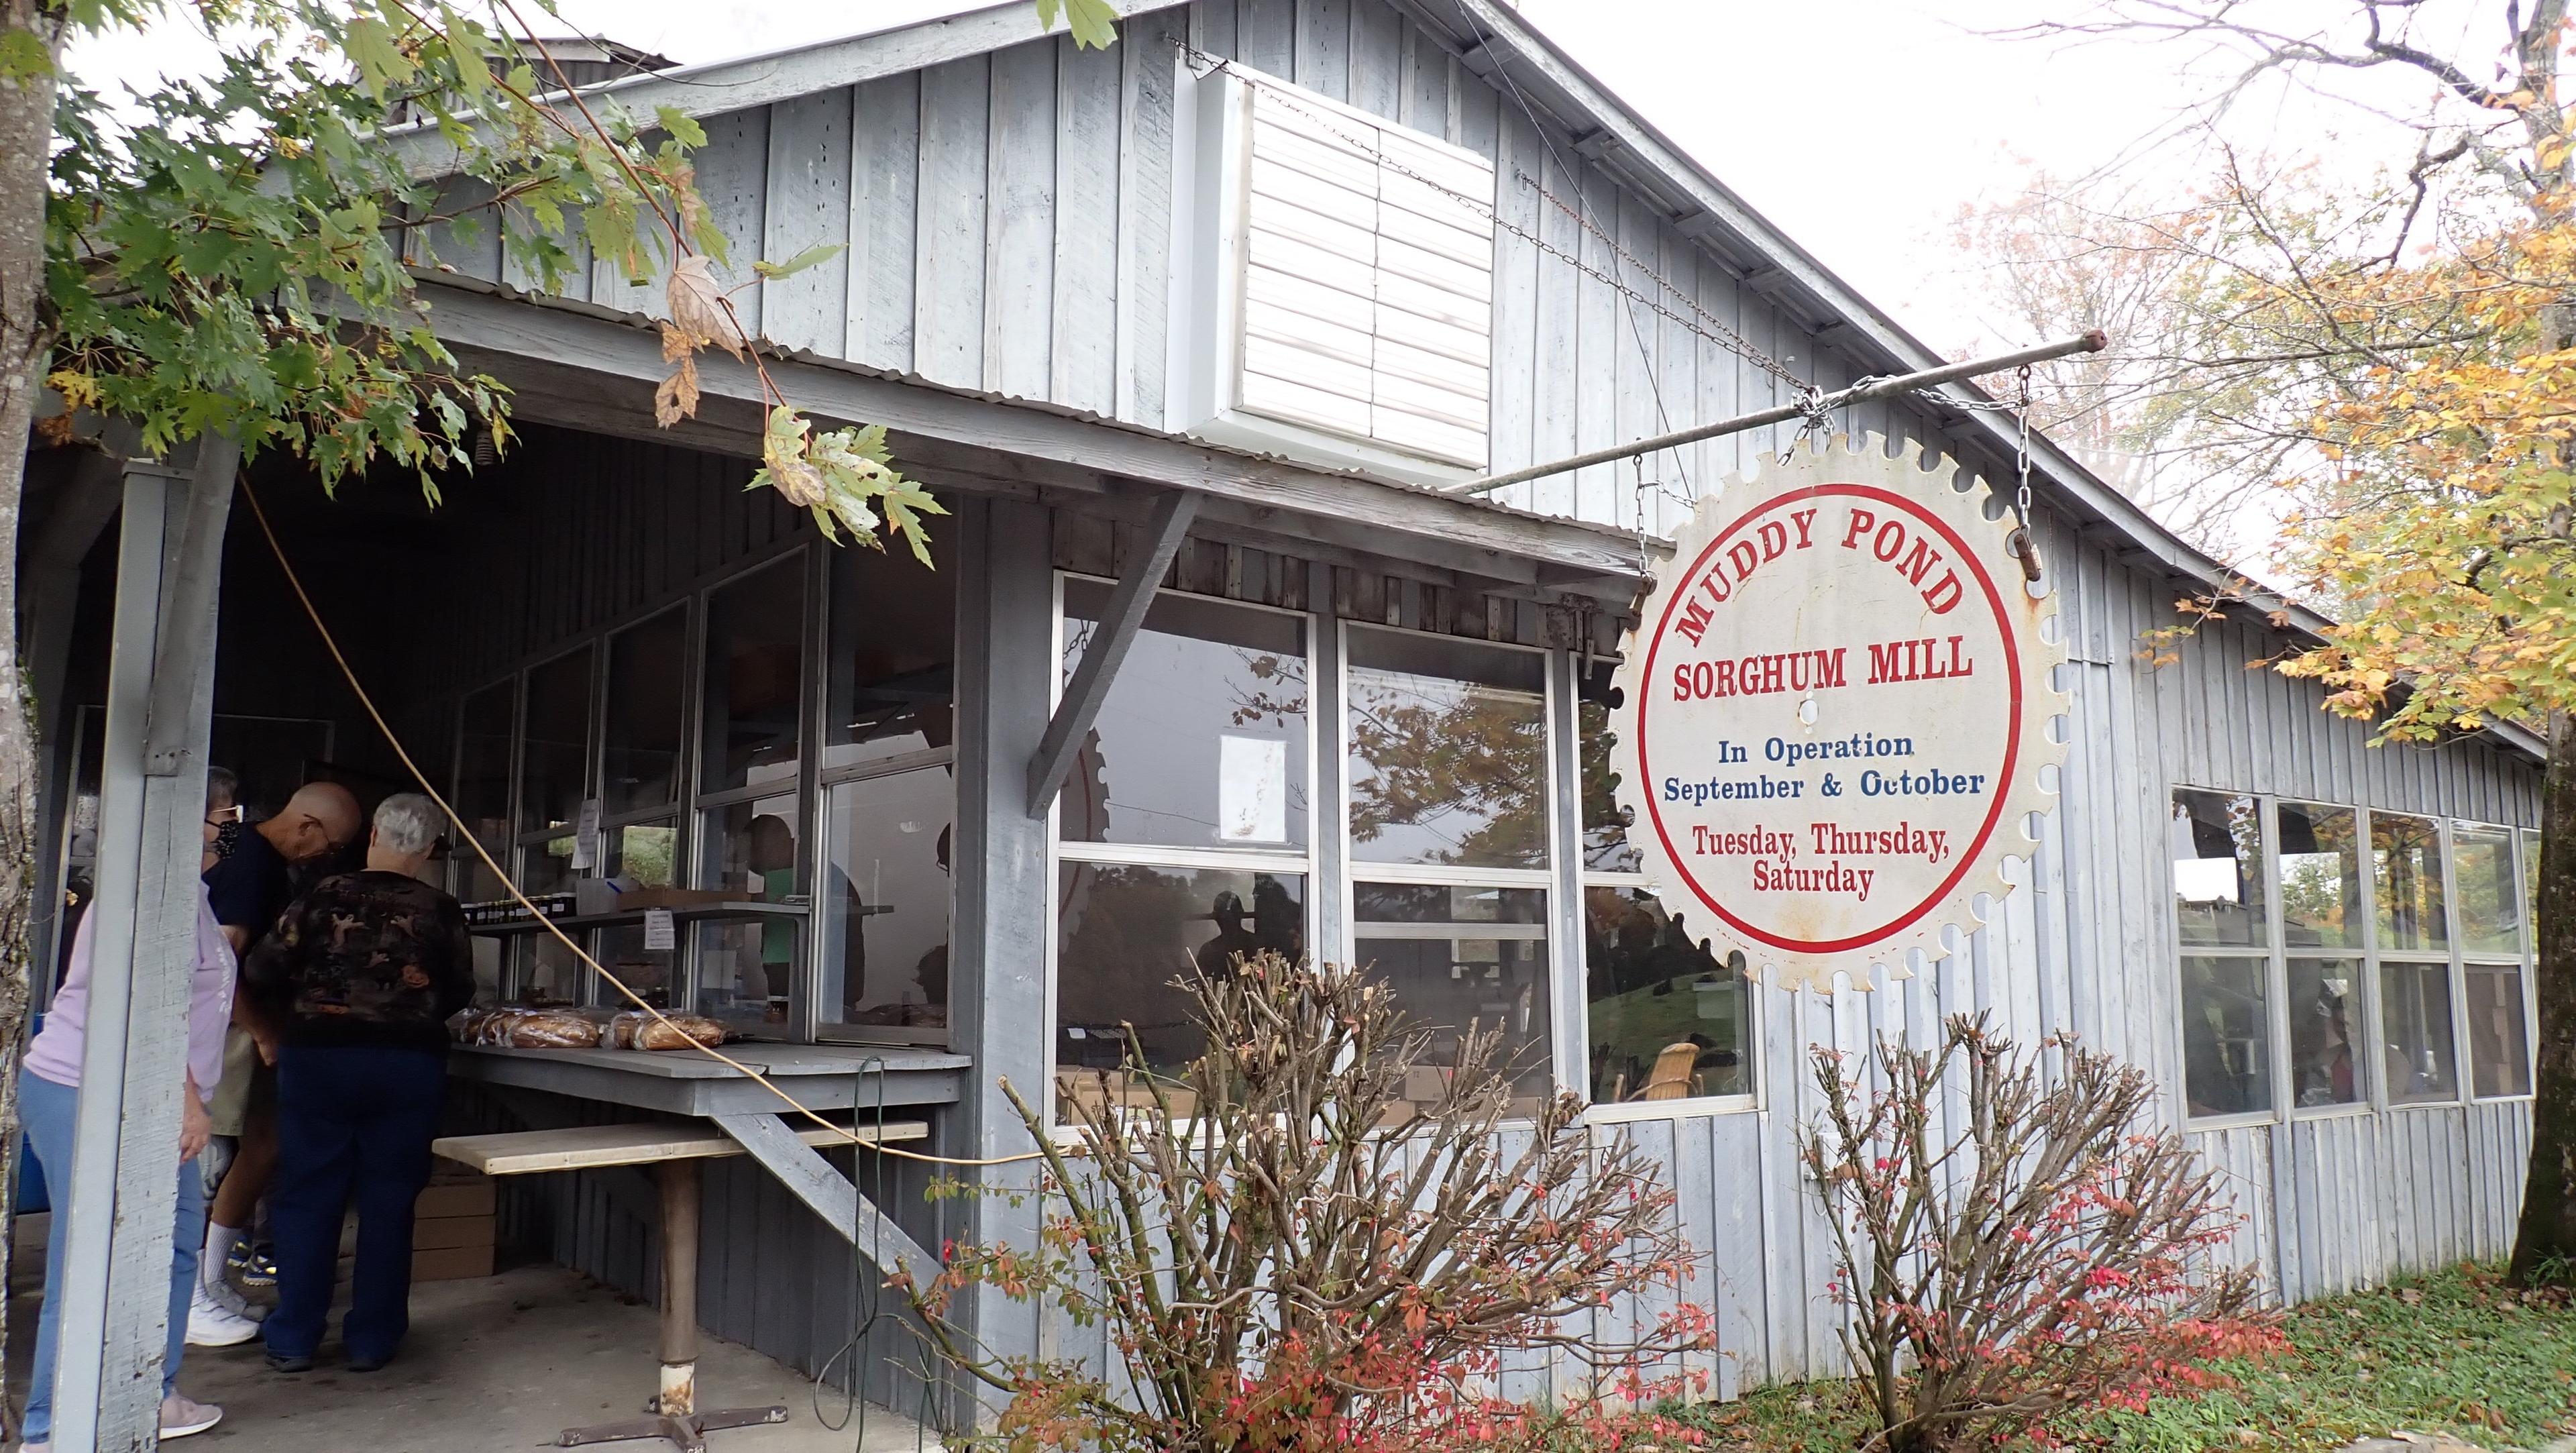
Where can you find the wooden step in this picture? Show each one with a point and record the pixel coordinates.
(586, 1147)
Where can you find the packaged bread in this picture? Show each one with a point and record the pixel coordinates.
(553, 1029)
(636, 1029)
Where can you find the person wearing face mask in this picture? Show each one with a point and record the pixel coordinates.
(48, 1101)
(249, 887)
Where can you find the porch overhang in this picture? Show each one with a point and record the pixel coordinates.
(585, 366)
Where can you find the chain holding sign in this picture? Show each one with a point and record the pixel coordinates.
(1835, 710)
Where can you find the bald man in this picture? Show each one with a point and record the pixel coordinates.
(248, 889)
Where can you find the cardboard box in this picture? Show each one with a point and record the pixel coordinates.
(470, 1195)
(444, 1233)
(451, 1263)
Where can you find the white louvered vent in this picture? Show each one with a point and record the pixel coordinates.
(1342, 285)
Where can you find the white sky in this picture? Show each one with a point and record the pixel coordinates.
(1861, 127)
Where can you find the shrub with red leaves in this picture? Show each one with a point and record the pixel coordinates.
(1301, 1266)
(2011, 1244)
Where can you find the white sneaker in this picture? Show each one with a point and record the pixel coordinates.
(183, 1416)
(224, 1295)
(209, 1325)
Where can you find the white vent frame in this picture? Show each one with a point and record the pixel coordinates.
(1426, 416)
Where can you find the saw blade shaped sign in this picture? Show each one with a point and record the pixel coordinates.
(1834, 713)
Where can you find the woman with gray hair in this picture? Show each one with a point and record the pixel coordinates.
(356, 985)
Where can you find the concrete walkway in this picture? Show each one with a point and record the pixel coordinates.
(500, 1363)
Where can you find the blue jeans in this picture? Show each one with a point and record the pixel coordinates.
(47, 1109)
(352, 1125)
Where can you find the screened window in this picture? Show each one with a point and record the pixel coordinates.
(483, 743)
(753, 678)
(2406, 882)
(2226, 1034)
(2320, 876)
(647, 686)
(2218, 869)
(2325, 1012)
(884, 912)
(1183, 830)
(2499, 1038)
(2490, 892)
(1202, 741)
(1462, 959)
(554, 760)
(1666, 1018)
(1448, 752)
(1129, 938)
(2415, 1024)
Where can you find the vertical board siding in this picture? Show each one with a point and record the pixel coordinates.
(1007, 220)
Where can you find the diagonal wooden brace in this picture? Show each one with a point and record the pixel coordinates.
(832, 1195)
(1089, 688)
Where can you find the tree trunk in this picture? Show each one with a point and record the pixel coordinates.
(26, 144)
(2544, 1248)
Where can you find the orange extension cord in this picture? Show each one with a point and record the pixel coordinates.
(849, 1133)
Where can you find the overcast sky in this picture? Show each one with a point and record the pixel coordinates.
(1862, 127)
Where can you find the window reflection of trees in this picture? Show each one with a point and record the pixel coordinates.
(1462, 764)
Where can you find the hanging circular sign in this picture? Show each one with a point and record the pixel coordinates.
(1834, 712)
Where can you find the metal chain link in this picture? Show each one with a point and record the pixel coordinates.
(1708, 327)
(2024, 547)
(1715, 332)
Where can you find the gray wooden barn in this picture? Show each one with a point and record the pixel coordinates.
(1189, 334)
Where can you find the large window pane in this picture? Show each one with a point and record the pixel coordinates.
(1448, 745)
(2499, 1041)
(2490, 893)
(1202, 741)
(2531, 881)
(649, 972)
(640, 751)
(546, 867)
(747, 969)
(1606, 848)
(2320, 876)
(893, 648)
(2406, 878)
(1128, 934)
(548, 972)
(1668, 1019)
(747, 973)
(2226, 1035)
(884, 909)
(2218, 869)
(483, 786)
(2415, 1012)
(1458, 956)
(554, 766)
(754, 672)
(2325, 1016)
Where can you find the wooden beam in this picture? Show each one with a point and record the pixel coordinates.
(831, 1195)
(1125, 617)
(590, 1147)
(562, 341)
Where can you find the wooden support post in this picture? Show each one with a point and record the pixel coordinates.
(678, 1181)
(123, 1185)
(1083, 695)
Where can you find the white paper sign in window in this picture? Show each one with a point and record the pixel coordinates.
(1252, 789)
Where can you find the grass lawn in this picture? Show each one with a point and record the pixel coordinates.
(2449, 1353)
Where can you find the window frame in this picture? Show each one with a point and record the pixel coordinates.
(1551, 878)
(2369, 956)
(1306, 864)
(1615, 1113)
(2525, 965)
(2269, 954)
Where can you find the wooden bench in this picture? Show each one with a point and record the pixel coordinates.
(675, 1152)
